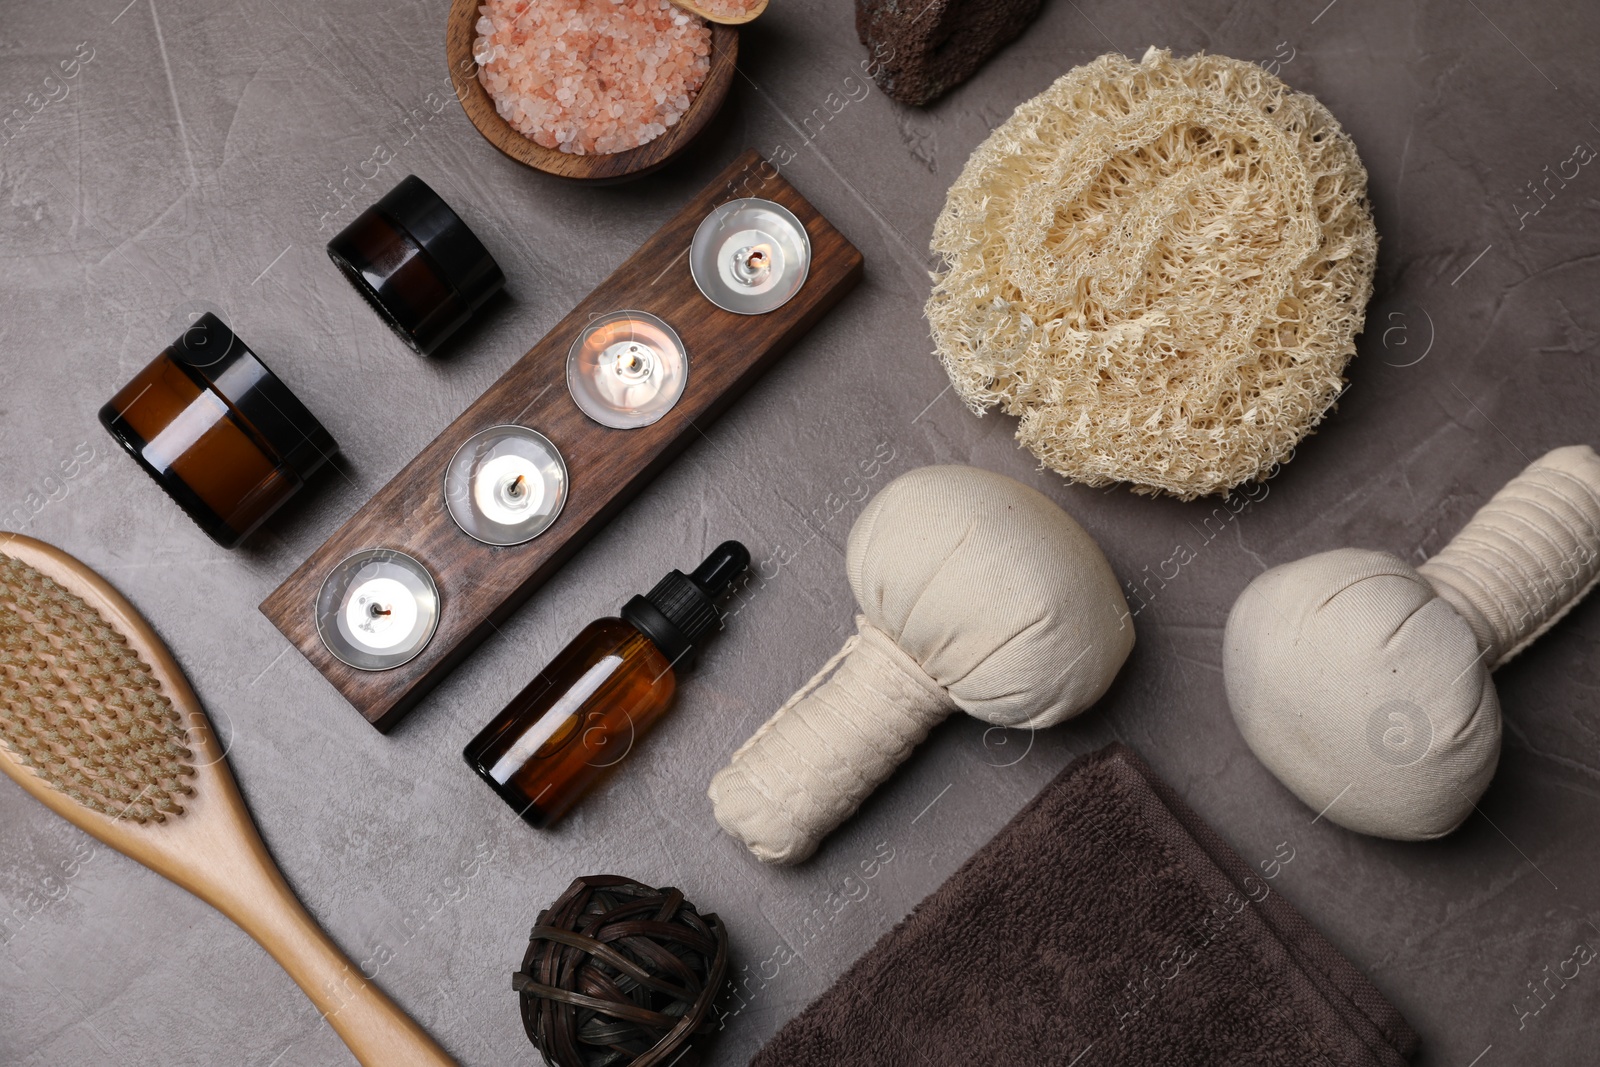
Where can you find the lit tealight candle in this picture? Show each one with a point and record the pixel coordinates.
(627, 369)
(381, 612)
(506, 485)
(377, 609)
(750, 256)
(506, 490)
(750, 261)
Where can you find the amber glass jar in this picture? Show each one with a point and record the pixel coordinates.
(218, 431)
(585, 712)
(421, 268)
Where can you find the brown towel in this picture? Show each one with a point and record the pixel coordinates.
(1106, 924)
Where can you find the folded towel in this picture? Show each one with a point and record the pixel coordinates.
(1105, 924)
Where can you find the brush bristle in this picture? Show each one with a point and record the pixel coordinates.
(80, 708)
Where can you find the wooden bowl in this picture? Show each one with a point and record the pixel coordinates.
(616, 166)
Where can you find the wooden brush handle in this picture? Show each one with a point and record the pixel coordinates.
(375, 1028)
(212, 848)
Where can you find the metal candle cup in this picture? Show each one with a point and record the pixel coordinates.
(377, 609)
(750, 256)
(627, 369)
(506, 485)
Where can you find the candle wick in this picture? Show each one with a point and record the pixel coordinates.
(376, 610)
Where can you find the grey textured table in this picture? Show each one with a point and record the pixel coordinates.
(197, 161)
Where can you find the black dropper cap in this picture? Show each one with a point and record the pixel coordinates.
(682, 608)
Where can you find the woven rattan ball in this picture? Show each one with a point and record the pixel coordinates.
(621, 975)
(1161, 267)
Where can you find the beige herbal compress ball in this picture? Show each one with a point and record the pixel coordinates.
(1161, 267)
(1363, 683)
(976, 593)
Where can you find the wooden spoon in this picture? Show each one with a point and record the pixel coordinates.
(725, 20)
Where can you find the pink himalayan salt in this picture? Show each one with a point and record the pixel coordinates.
(591, 76)
(727, 9)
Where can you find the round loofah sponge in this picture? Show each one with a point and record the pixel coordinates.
(1161, 267)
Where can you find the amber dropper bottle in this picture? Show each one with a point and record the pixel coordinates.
(584, 712)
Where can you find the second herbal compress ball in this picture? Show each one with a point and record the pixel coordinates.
(1363, 683)
(1161, 268)
(976, 593)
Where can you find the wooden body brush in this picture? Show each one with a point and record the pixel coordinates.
(99, 724)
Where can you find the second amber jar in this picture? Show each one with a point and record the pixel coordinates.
(421, 268)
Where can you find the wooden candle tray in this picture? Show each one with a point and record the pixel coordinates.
(480, 585)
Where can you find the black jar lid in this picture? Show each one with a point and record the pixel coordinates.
(215, 357)
(420, 267)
